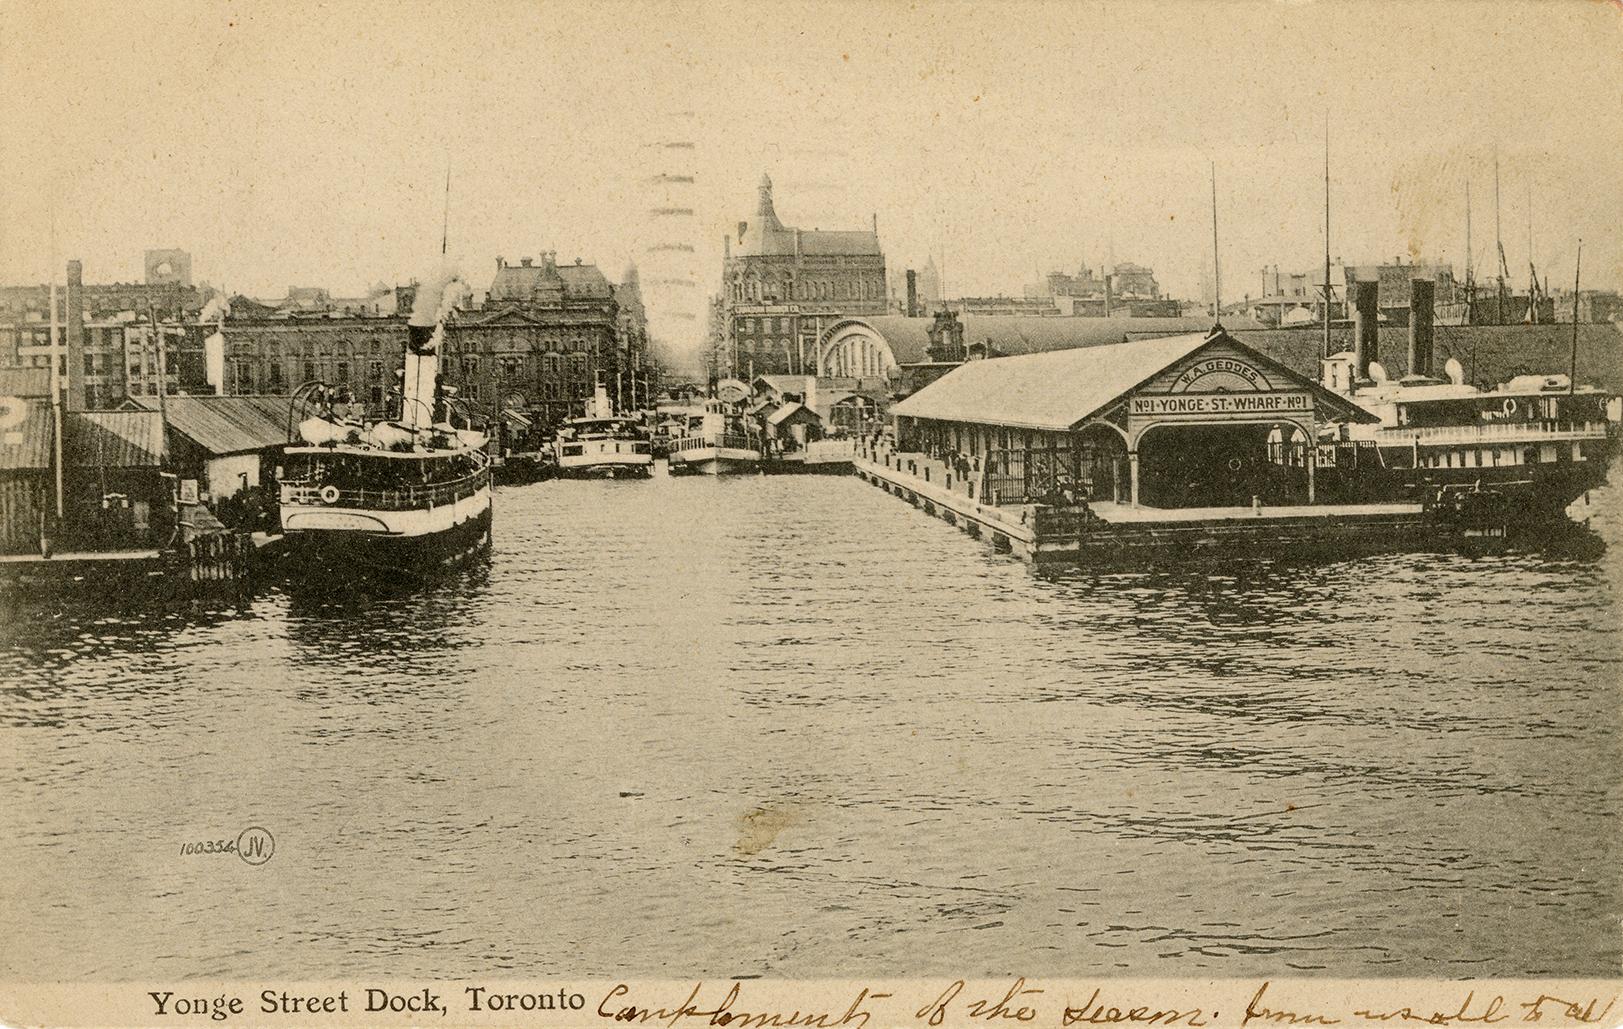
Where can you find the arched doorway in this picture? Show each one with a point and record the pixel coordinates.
(1183, 464)
(1102, 463)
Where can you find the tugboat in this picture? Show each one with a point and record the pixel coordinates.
(407, 495)
(602, 445)
(715, 442)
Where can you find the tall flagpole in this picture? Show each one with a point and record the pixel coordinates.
(1217, 268)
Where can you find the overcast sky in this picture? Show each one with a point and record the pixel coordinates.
(301, 143)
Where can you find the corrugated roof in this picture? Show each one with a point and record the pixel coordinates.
(1048, 390)
(25, 433)
(1058, 389)
(113, 439)
(227, 425)
(25, 382)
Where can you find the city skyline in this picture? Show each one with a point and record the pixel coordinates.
(309, 146)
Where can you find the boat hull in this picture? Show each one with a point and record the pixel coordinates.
(325, 547)
(1524, 494)
(616, 466)
(715, 461)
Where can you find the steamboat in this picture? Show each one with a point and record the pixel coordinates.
(602, 445)
(1518, 452)
(714, 441)
(403, 495)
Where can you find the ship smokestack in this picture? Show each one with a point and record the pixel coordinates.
(1366, 326)
(912, 293)
(1421, 293)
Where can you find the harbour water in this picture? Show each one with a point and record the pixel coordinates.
(673, 731)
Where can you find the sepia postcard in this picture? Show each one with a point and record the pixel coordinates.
(840, 515)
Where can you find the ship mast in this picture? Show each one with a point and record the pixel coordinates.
(1499, 244)
(1470, 273)
(1327, 293)
(1572, 369)
(1533, 291)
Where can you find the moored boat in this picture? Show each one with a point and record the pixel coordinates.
(405, 495)
(602, 444)
(715, 442)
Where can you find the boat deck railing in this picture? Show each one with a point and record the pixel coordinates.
(1503, 432)
(404, 498)
(729, 440)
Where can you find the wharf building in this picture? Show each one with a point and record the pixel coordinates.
(782, 287)
(1198, 420)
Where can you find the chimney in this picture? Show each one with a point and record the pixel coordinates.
(500, 264)
(1420, 322)
(912, 293)
(1109, 288)
(76, 336)
(727, 247)
(1366, 326)
(742, 228)
(526, 262)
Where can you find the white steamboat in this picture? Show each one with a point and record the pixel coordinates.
(714, 442)
(601, 445)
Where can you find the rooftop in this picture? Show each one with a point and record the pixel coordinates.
(1058, 390)
(25, 434)
(227, 425)
(765, 235)
(113, 439)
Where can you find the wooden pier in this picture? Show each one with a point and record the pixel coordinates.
(1106, 532)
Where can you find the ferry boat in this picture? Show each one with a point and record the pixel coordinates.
(714, 442)
(1535, 443)
(603, 445)
(403, 495)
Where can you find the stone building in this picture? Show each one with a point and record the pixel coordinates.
(539, 344)
(782, 286)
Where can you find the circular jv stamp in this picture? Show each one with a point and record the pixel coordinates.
(255, 845)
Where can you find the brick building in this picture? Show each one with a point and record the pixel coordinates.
(782, 286)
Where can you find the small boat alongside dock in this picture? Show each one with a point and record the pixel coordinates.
(715, 442)
(602, 445)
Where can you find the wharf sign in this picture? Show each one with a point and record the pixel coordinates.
(1198, 405)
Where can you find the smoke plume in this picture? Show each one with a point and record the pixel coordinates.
(217, 310)
(437, 297)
